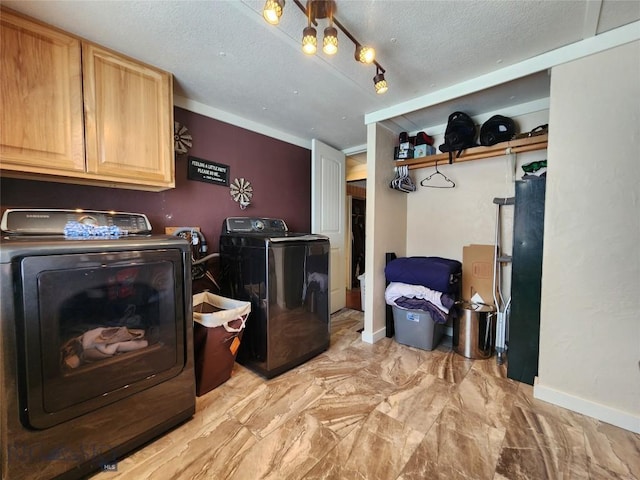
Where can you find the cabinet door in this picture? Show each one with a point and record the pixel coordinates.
(128, 117)
(41, 125)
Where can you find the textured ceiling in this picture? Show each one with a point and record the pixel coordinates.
(226, 57)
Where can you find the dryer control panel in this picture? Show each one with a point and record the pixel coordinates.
(49, 221)
(254, 225)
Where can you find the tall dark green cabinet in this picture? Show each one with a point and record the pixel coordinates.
(526, 276)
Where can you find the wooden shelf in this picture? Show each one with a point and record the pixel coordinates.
(527, 144)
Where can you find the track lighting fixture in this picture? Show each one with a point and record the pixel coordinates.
(330, 42)
(365, 54)
(273, 11)
(379, 82)
(320, 9)
(309, 41)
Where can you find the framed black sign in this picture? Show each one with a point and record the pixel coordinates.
(206, 171)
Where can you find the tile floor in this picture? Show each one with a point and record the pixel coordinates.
(383, 412)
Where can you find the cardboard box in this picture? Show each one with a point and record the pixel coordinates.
(477, 272)
(423, 150)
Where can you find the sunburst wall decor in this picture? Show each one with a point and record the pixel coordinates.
(241, 191)
(182, 139)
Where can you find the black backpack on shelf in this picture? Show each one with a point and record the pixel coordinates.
(459, 135)
(497, 129)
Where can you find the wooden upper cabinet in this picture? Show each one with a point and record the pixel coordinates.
(75, 112)
(41, 123)
(128, 118)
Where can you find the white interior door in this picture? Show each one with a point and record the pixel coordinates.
(328, 194)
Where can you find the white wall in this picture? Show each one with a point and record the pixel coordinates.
(441, 221)
(590, 320)
(386, 227)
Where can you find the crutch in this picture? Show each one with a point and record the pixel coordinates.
(502, 305)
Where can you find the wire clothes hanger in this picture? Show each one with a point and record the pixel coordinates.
(449, 183)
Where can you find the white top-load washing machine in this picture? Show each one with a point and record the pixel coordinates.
(285, 276)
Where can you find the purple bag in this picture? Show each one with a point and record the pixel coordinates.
(439, 274)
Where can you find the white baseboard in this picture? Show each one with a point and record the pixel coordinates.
(374, 337)
(604, 413)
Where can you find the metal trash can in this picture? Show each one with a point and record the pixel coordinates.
(474, 330)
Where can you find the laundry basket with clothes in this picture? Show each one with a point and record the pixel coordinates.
(422, 292)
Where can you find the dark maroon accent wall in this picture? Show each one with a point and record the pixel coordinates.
(279, 172)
